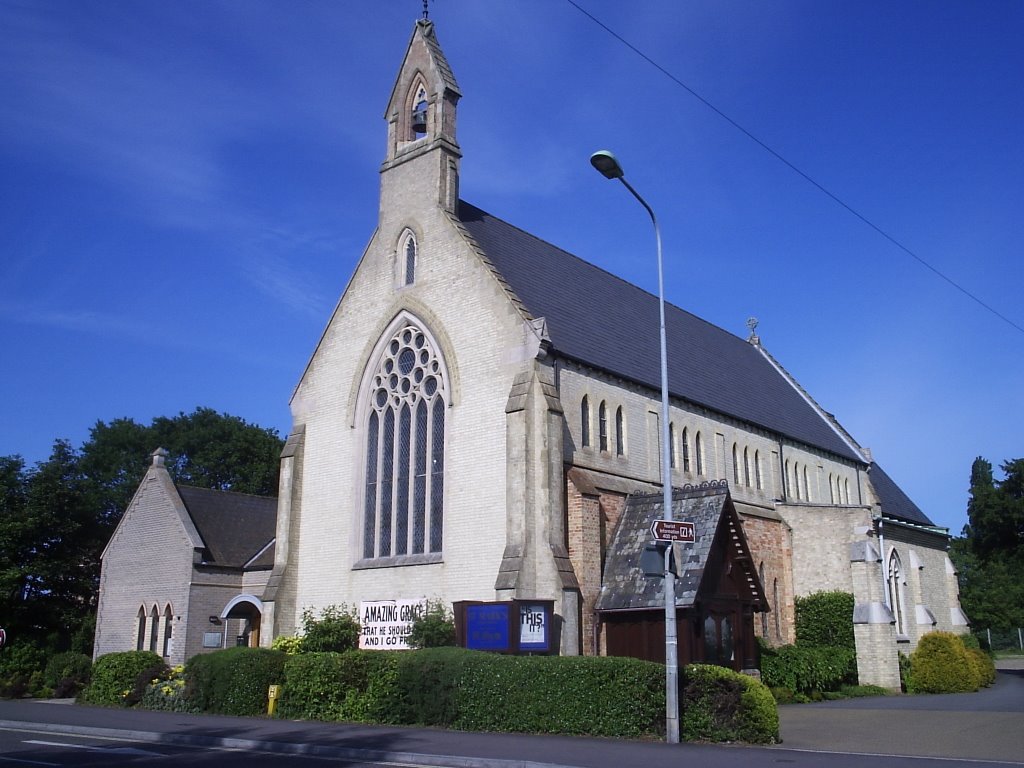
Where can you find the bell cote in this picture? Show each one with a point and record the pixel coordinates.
(422, 148)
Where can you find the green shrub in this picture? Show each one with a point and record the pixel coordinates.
(860, 691)
(67, 674)
(336, 629)
(233, 681)
(984, 667)
(825, 619)
(21, 670)
(115, 676)
(356, 686)
(941, 664)
(806, 670)
(167, 693)
(434, 628)
(719, 704)
(289, 644)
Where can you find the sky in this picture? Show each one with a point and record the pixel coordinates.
(186, 187)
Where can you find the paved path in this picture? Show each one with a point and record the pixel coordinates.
(988, 725)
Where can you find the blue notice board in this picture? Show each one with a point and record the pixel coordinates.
(487, 627)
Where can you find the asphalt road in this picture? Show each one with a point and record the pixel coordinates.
(973, 730)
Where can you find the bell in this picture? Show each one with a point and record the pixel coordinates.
(419, 120)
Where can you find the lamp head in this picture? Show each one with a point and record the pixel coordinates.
(607, 164)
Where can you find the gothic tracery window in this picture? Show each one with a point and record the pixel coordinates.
(895, 580)
(405, 443)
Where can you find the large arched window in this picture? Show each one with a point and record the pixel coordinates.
(897, 603)
(403, 510)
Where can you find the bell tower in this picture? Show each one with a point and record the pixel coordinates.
(422, 154)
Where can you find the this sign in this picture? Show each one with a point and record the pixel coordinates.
(212, 639)
(534, 626)
(385, 624)
(673, 530)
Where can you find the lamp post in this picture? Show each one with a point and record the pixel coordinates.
(605, 162)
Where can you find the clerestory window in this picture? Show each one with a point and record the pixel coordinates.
(403, 509)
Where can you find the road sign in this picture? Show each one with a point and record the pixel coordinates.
(673, 530)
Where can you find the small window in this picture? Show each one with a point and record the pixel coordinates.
(154, 629)
(807, 485)
(685, 445)
(775, 608)
(698, 449)
(735, 466)
(168, 618)
(419, 114)
(757, 470)
(140, 643)
(602, 426)
(585, 422)
(410, 260)
(764, 613)
(746, 467)
(620, 432)
(672, 445)
(897, 603)
(831, 490)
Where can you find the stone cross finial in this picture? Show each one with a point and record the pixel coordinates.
(753, 338)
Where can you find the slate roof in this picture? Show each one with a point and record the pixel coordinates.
(624, 585)
(895, 503)
(592, 317)
(235, 526)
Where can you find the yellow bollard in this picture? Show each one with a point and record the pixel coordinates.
(273, 694)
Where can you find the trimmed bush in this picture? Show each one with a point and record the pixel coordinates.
(721, 705)
(825, 619)
(233, 681)
(67, 674)
(167, 694)
(471, 690)
(21, 670)
(984, 667)
(808, 670)
(355, 686)
(114, 677)
(941, 664)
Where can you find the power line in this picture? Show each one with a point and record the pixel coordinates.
(802, 174)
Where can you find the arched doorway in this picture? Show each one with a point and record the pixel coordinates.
(247, 611)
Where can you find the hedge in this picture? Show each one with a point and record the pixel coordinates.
(115, 676)
(471, 690)
(825, 619)
(942, 664)
(233, 681)
(806, 670)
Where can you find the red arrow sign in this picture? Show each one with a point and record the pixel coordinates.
(673, 530)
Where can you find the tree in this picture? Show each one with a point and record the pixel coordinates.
(56, 518)
(990, 556)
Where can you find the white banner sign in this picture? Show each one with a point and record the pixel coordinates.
(385, 624)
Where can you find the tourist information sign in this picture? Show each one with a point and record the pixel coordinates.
(673, 530)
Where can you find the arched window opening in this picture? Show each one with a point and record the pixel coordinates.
(168, 627)
(807, 485)
(764, 614)
(787, 482)
(154, 629)
(846, 491)
(775, 608)
(405, 444)
(620, 432)
(896, 581)
(746, 467)
(419, 114)
(602, 426)
(699, 451)
(735, 466)
(409, 260)
(672, 445)
(831, 490)
(585, 422)
(686, 450)
(140, 642)
(796, 481)
(757, 470)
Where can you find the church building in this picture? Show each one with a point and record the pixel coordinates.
(480, 421)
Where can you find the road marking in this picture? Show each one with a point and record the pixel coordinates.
(111, 750)
(27, 762)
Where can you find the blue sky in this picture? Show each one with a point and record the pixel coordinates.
(186, 188)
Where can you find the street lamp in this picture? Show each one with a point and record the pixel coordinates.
(605, 162)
